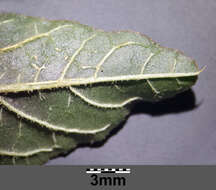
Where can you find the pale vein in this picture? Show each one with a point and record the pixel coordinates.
(49, 125)
(87, 81)
(153, 88)
(74, 56)
(142, 70)
(32, 38)
(103, 105)
(111, 52)
(146, 62)
(6, 21)
(25, 154)
(173, 70)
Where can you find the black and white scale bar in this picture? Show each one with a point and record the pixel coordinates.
(108, 170)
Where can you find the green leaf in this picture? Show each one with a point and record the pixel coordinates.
(63, 84)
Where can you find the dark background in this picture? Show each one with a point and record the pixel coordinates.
(179, 131)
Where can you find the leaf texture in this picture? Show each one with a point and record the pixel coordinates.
(63, 84)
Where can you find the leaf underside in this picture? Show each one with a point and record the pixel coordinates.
(63, 84)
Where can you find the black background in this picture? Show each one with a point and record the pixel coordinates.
(180, 131)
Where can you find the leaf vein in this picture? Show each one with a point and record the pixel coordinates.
(6, 21)
(32, 38)
(87, 81)
(77, 52)
(146, 62)
(26, 153)
(47, 124)
(98, 67)
(152, 87)
(103, 105)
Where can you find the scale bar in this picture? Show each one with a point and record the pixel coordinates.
(108, 170)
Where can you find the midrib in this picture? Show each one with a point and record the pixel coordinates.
(18, 87)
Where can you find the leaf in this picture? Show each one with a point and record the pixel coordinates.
(63, 84)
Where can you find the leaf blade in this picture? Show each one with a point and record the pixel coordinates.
(71, 84)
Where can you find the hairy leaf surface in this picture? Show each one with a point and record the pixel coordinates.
(63, 84)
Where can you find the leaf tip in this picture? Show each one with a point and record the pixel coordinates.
(202, 69)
